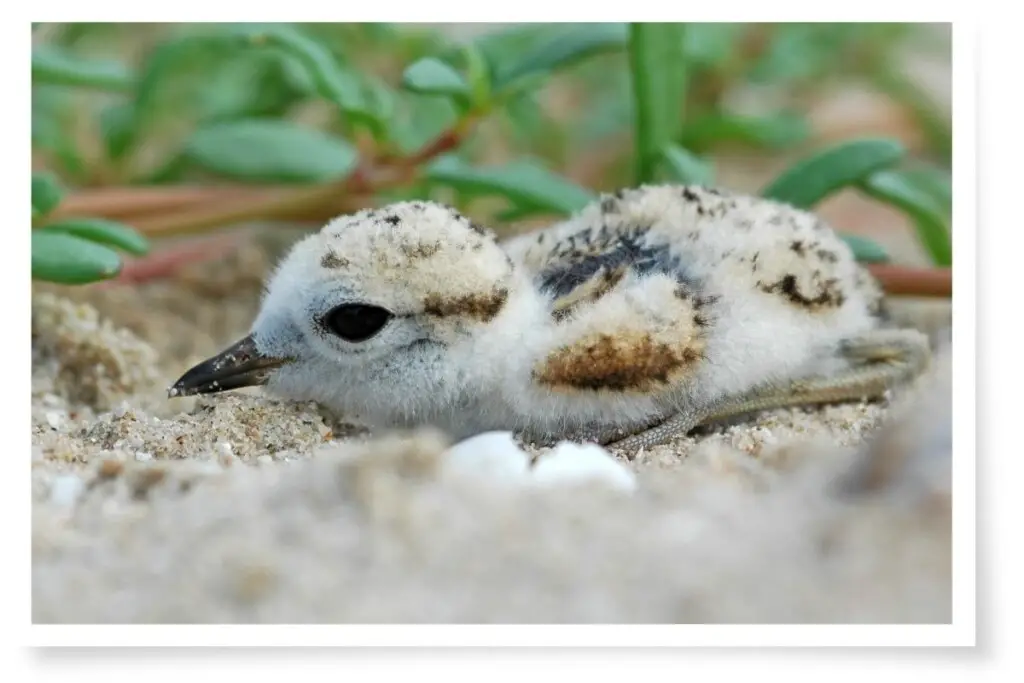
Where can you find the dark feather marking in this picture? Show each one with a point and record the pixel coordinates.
(577, 267)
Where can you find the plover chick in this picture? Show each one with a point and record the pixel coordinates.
(648, 313)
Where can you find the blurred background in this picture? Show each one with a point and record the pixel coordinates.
(174, 130)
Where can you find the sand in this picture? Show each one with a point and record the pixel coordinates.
(240, 508)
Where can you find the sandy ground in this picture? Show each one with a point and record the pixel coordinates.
(244, 509)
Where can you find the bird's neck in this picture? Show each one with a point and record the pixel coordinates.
(507, 349)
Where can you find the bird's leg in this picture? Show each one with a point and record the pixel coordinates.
(879, 360)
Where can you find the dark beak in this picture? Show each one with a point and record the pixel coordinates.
(240, 365)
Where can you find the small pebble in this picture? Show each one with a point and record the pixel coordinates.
(765, 435)
(66, 489)
(143, 456)
(571, 463)
(54, 419)
(494, 455)
(264, 460)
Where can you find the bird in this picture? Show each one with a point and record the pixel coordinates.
(647, 313)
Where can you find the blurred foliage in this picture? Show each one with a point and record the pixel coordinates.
(519, 117)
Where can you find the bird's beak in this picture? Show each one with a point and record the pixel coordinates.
(240, 365)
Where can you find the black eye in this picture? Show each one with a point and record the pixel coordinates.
(356, 322)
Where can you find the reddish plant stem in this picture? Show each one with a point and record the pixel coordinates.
(171, 259)
(909, 281)
(189, 210)
(120, 202)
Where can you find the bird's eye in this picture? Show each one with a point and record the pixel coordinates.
(356, 322)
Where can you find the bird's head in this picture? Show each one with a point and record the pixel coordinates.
(375, 302)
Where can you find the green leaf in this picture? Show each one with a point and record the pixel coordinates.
(53, 113)
(711, 45)
(686, 167)
(420, 120)
(478, 76)
(571, 44)
(809, 181)
(659, 83)
(865, 250)
(431, 76)
(936, 182)
(332, 82)
(517, 213)
(167, 74)
(772, 132)
(117, 127)
(56, 67)
(801, 51)
(270, 150)
(66, 259)
(309, 63)
(46, 193)
(898, 189)
(522, 182)
(102, 231)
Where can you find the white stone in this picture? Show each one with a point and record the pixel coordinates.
(573, 463)
(143, 456)
(54, 419)
(264, 460)
(490, 455)
(66, 489)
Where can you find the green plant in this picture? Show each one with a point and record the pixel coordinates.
(76, 250)
(221, 124)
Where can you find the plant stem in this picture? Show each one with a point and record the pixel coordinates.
(170, 260)
(909, 281)
(189, 210)
(117, 202)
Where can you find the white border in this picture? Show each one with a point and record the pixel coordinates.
(961, 632)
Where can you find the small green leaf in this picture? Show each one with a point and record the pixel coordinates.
(117, 126)
(431, 76)
(686, 167)
(899, 190)
(53, 125)
(711, 45)
(478, 76)
(46, 193)
(166, 73)
(659, 83)
(522, 182)
(66, 259)
(421, 119)
(935, 181)
(865, 250)
(809, 181)
(102, 231)
(270, 150)
(517, 213)
(571, 44)
(772, 132)
(309, 63)
(332, 82)
(53, 66)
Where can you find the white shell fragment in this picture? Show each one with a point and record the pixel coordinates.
(572, 463)
(66, 489)
(494, 455)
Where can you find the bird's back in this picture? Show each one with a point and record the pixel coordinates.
(702, 236)
(686, 291)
